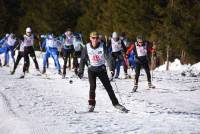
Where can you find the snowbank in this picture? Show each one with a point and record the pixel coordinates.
(185, 70)
(193, 71)
(173, 66)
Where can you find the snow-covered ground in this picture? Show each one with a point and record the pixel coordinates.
(48, 104)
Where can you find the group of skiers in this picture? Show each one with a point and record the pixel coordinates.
(99, 52)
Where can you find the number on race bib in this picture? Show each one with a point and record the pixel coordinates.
(96, 58)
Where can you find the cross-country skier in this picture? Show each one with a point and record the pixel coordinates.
(19, 56)
(67, 49)
(94, 53)
(28, 41)
(78, 46)
(117, 47)
(126, 62)
(10, 42)
(3, 48)
(141, 49)
(51, 45)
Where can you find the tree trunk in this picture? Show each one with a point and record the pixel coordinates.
(167, 66)
(183, 55)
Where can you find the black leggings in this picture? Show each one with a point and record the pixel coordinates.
(75, 60)
(29, 50)
(67, 54)
(19, 57)
(106, 83)
(137, 71)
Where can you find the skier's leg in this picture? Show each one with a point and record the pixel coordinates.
(28, 65)
(47, 62)
(32, 54)
(75, 62)
(3, 50)
(137, 74)
(26, 59)
(65, 61)
(147, 70)
(69, 59)
(12, 54)
(118, 64)
(46, 56)
(6, 55)
(19, 57)
(92, 81)
(106, 83)
(54, 54)
(125, 66)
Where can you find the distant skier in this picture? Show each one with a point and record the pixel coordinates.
(126, 62)
(28, 41)
(51, 44)
(141, 49)
(94, 54)
(117, 49)
(68, 49)
(9, 42)
(78, 46)
(19, 56)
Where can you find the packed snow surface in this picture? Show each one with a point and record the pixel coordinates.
(48, 104)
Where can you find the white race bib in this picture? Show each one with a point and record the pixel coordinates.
(96, 56)
(116, 45)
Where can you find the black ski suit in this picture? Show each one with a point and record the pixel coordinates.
(29, 49)
(20, 56)
(96, 71)
(141, 61)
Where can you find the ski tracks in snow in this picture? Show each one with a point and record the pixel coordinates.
(10, 123)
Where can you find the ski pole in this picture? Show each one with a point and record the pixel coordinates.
(119, 93)
(152, 60)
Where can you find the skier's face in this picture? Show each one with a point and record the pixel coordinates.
(94, 40)
(69, 33)
(28, 33)
(140, 42)
(116, 39)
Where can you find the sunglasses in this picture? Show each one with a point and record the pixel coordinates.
(140, 42)
(94, 38)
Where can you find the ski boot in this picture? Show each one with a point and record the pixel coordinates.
(59, 72)
(22, 76)
(12, 72)
(151, 86)
(63, 76)
(91, 108)
(135, 87)
(76, 71)
(112, 76)
(116, 76)
(121, 108)
(44, 70)
(126, 76)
